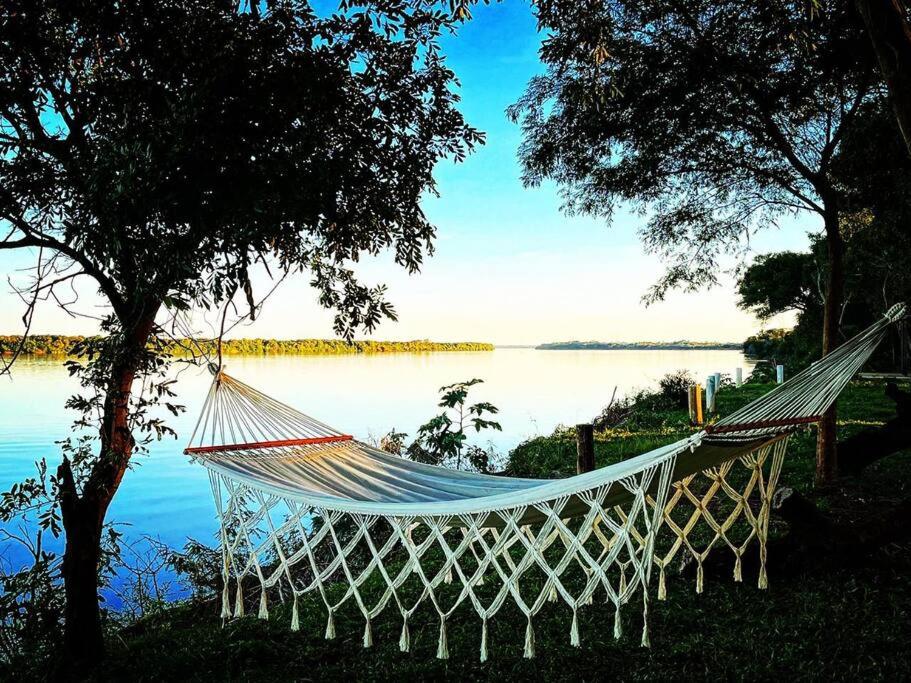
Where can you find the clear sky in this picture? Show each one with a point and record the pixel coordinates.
(509, 267)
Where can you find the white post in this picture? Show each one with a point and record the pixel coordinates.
(779, 372)
(710, 394)
(738, 376)
(717, 381)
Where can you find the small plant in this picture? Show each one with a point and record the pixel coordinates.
(442, 440)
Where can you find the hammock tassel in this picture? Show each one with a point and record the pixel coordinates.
(330, 627)
(738, 571)
(484, 640)
(239, 601)
(368, 634)
(574, 630)
(700, 576)
(763, 577)
(662, 588)
(263, 607)
(442, 646)
(553, 593)
(529, 641)
(645, 639)
(405, 638)
(448, 577)
(618, 628)
(295, 619)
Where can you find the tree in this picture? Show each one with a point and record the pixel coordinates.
(874, 177)
(713, 118)
(163, 149)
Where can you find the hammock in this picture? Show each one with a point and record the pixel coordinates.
(305, 509)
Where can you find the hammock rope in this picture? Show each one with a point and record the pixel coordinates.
(306, 509)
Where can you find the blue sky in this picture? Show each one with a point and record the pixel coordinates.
(509, 267)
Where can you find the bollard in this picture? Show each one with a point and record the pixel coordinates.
(710, 390)
(779, 373)
(585, 448)
(738, 376)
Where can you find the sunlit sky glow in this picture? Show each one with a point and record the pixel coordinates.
(509, 268)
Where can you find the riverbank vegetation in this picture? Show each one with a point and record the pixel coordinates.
(62, 345)
(824, 604)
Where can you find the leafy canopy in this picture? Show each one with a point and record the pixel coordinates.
(711, 118)
(163, 148)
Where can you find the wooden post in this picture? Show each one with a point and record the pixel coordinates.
(691, 402)
(738, 376)
(699, 417)
(585, 448)
(903, 342)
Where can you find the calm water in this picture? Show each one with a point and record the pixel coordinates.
(168, 497)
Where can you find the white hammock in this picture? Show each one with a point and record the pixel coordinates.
(304, 507)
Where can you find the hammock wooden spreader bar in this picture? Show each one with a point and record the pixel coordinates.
(305, 509)
(255, 445)
(761, 424)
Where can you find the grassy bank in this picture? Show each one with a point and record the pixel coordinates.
(60, 345)
(841, 621)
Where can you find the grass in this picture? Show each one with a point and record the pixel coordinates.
(815, 622)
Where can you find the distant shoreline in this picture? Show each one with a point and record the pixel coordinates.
(640, 346)
(54, 345)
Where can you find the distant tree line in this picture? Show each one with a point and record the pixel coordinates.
(639, 346)
(61, 345)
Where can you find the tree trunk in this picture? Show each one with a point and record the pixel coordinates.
(83, 642)
(826, 455)
(890, 34)
(83, 513)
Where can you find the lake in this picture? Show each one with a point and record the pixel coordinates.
(167, 496)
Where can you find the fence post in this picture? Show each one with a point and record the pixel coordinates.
(779, 373)
(691, 402)
(710, 390)
(699, 416)
(585, 448)
(738, 376)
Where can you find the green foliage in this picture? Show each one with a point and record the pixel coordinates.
(781, 282)
(713, 118)
(443, 439)
(674, 388)
(765, 344)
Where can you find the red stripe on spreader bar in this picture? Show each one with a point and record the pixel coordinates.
(747, 426)
(267, 444)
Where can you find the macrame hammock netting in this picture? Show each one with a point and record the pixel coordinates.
(305, 509)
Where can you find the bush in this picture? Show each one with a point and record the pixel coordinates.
(674, 388)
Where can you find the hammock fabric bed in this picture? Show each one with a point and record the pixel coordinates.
(305, 509)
